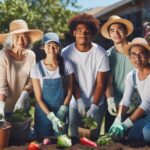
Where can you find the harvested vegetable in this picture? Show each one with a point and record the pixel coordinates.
(90, 123)
(63, 141)
(46, 141)
(88, 142)
(105, 140)
(33, 146)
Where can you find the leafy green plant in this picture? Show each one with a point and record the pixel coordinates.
(19, 116)
(105, 140)
(90, 123)
(63, 141)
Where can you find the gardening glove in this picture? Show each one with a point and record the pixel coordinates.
(22, 101)
(114, 125)
(81, 107)
(127, 124)
(92, 110)
(57, 124)
(117, 130)
(62, 112)
(112, 106)
(2, 106)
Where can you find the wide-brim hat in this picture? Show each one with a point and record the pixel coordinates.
(51, 37)
(137, 41)
(20, 26)
(116, 19)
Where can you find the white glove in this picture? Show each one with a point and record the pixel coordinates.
(2, 106)
(81, 107)
(22, 101)
(112, 106)
(92, 110)
(57, 124)
(127, 123)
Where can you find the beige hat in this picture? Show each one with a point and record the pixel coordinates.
(137, 41)
(116, 19)
(19, 26)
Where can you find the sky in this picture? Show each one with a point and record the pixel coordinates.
(95, 3)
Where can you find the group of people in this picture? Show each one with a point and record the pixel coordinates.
(81, 80)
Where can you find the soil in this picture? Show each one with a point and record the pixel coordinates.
(114, 146)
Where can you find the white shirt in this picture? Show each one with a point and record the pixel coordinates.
(36, 73)
(143, 89)
(85, 66)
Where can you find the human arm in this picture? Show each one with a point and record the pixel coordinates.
(80, 102)
(100, 85)
(112, 108)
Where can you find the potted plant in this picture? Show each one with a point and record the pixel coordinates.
(4, 132)
(20, 121)
(89, 125)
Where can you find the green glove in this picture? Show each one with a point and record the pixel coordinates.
(112, 108)
(117, 130)
(116, 122)
(62, 112)
(57, 124)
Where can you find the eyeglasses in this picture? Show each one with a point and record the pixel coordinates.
(134, 55)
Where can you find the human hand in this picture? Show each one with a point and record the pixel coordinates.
(112, 106)
(92, 110)
(22, 101)
(81, 107)
(57, 124)
(62, 112)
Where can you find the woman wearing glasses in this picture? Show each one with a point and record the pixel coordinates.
(138, 79)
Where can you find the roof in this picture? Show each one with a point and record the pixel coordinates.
(95, 10)
(112, 7)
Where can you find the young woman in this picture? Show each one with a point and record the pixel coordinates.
(52, 83)
(139, 54)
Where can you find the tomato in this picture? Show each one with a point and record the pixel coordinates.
(33, 146)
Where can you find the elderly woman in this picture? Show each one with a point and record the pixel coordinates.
(16, 60)
(139, 78)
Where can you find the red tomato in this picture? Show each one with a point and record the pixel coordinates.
(33, 146)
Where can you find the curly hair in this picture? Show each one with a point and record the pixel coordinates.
(92, 23)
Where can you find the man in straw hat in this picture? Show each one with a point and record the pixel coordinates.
(91, 66)
(116, 29)
(16, 60)
(139, 78)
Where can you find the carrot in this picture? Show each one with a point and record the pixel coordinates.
(87, 142)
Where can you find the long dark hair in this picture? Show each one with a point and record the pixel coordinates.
(61, 65)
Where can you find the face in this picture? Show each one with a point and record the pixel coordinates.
(20, 41)
(139, 56)
(51, 48)
(83, 35)
(117, 33)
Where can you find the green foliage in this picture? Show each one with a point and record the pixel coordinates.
(105, 140)
(47, 15)
(89, 123)
(19, 116)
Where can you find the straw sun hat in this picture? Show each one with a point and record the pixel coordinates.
(137, 41)
(116, 19)
(20, 26)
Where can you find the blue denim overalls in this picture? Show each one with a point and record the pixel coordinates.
(53, 93)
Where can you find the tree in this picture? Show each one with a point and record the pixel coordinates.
(47, 15)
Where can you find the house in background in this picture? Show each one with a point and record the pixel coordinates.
(137, 11)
